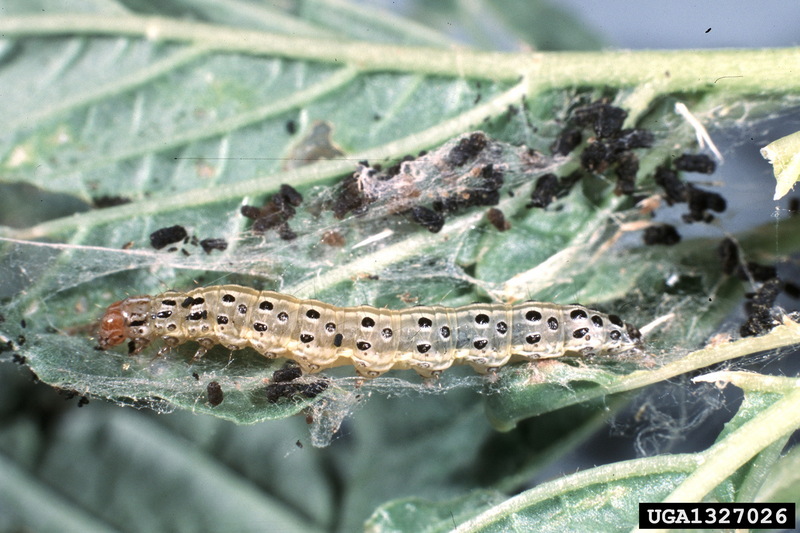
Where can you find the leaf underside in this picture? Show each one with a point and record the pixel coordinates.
(110, 137)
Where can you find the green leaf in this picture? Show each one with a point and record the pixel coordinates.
(607, 497)
(600, 499)
(127, 464)
(414, 514)
(783, 482)
(199, 108)
(186, 133)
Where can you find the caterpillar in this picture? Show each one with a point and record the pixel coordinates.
(316, 335)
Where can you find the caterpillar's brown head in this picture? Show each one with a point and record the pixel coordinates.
(126, 319)
(112, 326)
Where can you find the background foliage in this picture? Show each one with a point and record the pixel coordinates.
(184, 118)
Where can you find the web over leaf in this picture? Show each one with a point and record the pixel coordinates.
(395, 212)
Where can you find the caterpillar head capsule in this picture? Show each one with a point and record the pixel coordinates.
(112, 327)
(125, 319)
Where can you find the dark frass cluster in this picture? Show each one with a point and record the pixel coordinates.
(608, 147)
(285, 385)
(163, 237)
(275, 213)
(761, 315)
(469, 171)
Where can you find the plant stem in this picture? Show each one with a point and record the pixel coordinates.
(732, 71)
(613, 473)
(724, 458)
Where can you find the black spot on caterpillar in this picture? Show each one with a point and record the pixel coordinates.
(318, 336)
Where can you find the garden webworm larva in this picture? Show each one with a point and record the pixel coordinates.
(318, 336)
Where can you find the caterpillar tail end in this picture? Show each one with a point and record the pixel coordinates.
(636, 336)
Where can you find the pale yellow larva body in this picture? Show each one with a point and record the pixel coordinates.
(427, 339)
